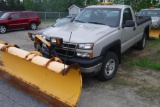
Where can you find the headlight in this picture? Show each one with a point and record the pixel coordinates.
(85, 55)
(53, 40)
(42, 36)
(56, 41)
(85, 46)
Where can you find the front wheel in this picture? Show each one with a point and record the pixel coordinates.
(109, 67)
(3, 29)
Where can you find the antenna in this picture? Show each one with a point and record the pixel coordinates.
(67, 50)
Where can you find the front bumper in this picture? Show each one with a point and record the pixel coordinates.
(155, 25)
(87, 65)
(91, 71)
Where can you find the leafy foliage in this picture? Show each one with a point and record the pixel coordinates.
(139, 4)
(63, 5)
(11, 5)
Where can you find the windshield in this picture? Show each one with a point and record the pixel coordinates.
(1, 13)
(63, 21)
(4, 16)
(152, 13)
(103, 16)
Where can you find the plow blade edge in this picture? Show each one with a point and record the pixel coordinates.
(50, 81)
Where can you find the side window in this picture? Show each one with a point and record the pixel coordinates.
(86, 15)
(127, 15)
(32, 14)
(15, 16)
(24, 15)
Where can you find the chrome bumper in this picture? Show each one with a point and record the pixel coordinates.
(94, 69)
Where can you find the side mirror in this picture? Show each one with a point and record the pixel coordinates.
(129, 23)
(72, 19)
(9, 18)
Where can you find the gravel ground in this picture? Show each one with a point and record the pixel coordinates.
(94, 93)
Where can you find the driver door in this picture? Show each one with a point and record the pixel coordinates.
(14, 21)
(128, 33)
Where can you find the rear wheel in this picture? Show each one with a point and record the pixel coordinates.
(109, 67)
(142, 43)
(33, 26)
(3, 29)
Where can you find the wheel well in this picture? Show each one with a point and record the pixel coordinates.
(117, 50)
(113, 47)
(33, 22)
(146, 30)
(4, 25)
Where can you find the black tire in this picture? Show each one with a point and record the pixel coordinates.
(3, 29)
(142, 43)
(109, 67)
(33, 26)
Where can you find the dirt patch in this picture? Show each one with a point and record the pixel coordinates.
(144, 81)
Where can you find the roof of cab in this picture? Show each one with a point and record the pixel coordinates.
(108, 6)
(151, 9)
(18, 11)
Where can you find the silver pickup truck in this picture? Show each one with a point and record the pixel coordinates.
(97, 37)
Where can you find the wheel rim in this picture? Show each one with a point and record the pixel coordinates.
(33, 26)
(2, 29)
(144, 42)
(110, 67)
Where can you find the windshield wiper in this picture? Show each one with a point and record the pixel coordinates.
(79, 21)
(97, 23)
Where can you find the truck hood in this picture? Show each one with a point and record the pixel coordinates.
(43, 30)
(155, 19)
(81, 32)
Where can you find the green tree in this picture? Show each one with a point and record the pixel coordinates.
(92, 2)
(18, 5)
(3, 5)
(154, 3)
(10, 5)
(28, 4)
(79, 2)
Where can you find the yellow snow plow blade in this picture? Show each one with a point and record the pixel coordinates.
(49, 80)
(154, 33)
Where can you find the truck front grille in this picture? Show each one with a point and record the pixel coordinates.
(68, 50)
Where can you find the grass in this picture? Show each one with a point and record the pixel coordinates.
(146, 62)
(48, 21)
(158, 52)
(150, 60)
(153, 42)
